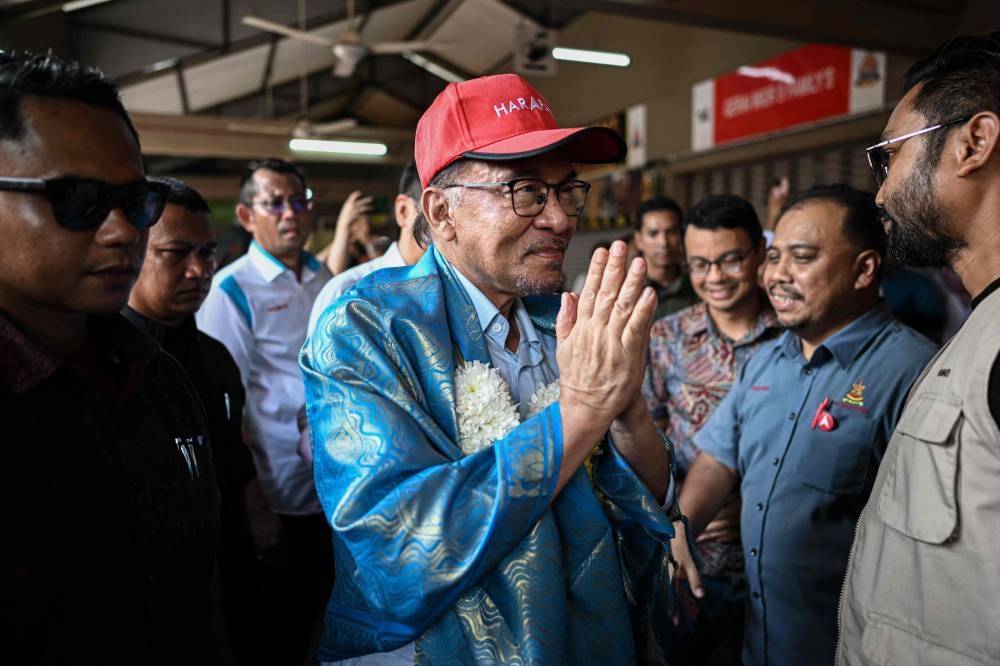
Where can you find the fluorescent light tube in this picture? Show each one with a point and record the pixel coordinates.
(338, 147)
(592, 57)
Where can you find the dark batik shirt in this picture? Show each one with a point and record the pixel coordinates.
(108, 505)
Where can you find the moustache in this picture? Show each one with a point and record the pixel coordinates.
(788, 293)
(549, 245)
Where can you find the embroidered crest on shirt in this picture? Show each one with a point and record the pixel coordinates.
(856, 396)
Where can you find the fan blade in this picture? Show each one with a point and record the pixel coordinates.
(383, 48)
(281, 29)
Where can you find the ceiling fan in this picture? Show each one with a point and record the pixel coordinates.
(349, 49)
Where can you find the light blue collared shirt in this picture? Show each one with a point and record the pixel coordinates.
(529, 368)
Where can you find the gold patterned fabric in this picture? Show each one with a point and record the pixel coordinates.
(473, 557)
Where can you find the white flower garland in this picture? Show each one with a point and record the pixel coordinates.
(485, 410)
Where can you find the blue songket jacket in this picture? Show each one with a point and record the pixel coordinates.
(473, 557)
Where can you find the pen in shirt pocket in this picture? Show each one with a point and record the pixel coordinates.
(229, 415)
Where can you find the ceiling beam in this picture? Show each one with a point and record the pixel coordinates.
(147, 35)
(246, 138)
(433, 18)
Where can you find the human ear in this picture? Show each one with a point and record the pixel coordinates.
(867, 269)
(977, 142)
(405, 210)
(437, 210)
(245, 217)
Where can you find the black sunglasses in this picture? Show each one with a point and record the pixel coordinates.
(82, 204)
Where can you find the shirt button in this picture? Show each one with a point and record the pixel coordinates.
(791, 416)
(753, 552)
(497, 328)
(755, 594)
(775, 461)
(809, 371)
(759, 506)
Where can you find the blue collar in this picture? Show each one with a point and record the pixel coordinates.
(488, 314)
(845, 344)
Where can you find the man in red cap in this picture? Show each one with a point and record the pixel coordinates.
(454, 404)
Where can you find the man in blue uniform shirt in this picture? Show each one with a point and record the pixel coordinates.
(804, 429)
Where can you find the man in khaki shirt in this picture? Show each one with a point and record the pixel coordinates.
(923, 581)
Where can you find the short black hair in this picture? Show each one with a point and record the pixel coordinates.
(409, 182)
(23, 73)
(959, 80)
(655, 204)
(862, 224)
(182, 194)
(248, 187)
(726, 211)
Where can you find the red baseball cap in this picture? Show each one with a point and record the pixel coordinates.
(498, 118)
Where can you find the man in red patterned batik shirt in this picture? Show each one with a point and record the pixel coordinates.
(695, 355)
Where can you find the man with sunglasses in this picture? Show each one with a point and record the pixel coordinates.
(924, 578)
(258, 307)
(108, 498)
(695, 356)
(801, 432)
(459, 537)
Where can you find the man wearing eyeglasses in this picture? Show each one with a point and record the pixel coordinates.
(258, 307)
(924, 578)
(466, 527)
(108, 498)
(695, 356)
(802, 431)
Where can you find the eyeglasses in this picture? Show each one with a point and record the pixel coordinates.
(528, 196)
(878, 158)
(731, 263)
(299, 203)
(81, 204)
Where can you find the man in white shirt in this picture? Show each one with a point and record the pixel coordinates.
(404, 252)
(259, 307)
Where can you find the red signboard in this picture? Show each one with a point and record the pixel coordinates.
(808, 84)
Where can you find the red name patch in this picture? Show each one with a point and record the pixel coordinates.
(278, 308)
(760, 388)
